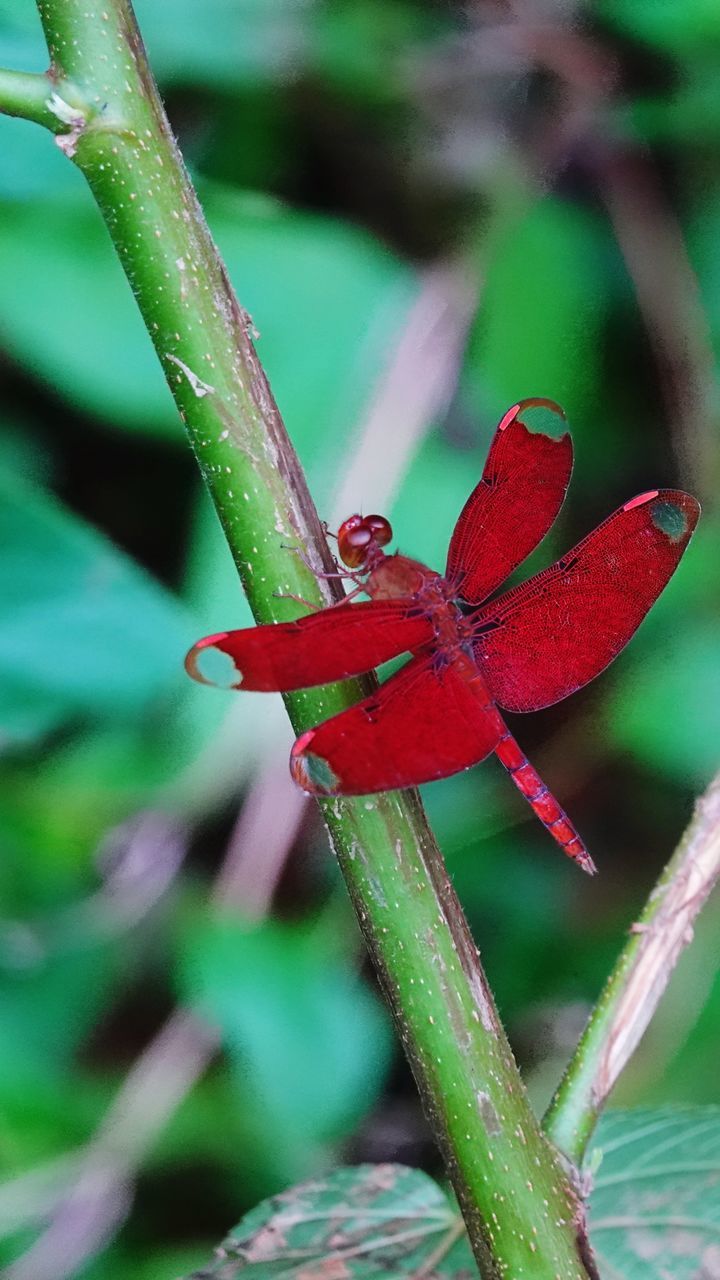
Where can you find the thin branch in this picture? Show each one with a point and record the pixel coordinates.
(266, 828)
(638, 980)
(32, 1196)
(39, 98)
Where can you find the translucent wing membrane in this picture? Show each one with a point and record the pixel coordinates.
(317, 649)
(426, 722)
(521, 491)
(547, 638)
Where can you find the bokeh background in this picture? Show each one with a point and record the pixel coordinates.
(431, 210)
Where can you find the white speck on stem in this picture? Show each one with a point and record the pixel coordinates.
(199, 387)
(70, 116)
(64, 112)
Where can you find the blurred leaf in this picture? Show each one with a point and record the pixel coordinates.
(22, 45)
(211, 585)
(655, 1209)
(679, 27)
(48, 1001)
(48, 1108)
(371, 1220)
(326, 299)
(689, 116)
(439, 480)
(311, 1039)
(55, 811)
(236, 732)
(84, 631)
(223, 42)
(665, 707)
(262, 117)
(363, 46)
(141, 1263)
(82, 355)
(703, 248)
(31, 163)
(543, 310)
(24, 453)
(134, 1258)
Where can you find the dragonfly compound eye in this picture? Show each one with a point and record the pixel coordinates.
(381, 529)
(358, 536)
(354, 539)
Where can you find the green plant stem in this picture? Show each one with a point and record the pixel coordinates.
(26, 94)
(641, 974)
(521, 1212)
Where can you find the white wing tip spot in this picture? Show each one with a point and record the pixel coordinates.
(210, 665)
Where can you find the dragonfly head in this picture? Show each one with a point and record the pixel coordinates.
(361, 539)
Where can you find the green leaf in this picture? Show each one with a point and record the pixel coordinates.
(103, 365)
(371, 1220)
(689, 116)
(21, 37)
(655, 1207)
(665, 707)
(326, 300)
(83, 631)
(49, 999)
(223, 42)
(654, 1213)
(303, 1030)
(360, 46)
(682, 28)
(538, 330)
(702, 245)
(144, 1263)
(31, 163)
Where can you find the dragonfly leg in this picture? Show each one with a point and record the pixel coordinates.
(288, 595)
(530, 784)
(318, 573)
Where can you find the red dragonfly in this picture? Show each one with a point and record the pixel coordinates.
(523, 650)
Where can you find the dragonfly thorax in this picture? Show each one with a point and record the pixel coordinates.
(399, 576)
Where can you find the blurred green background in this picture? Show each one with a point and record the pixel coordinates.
(430, 210)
